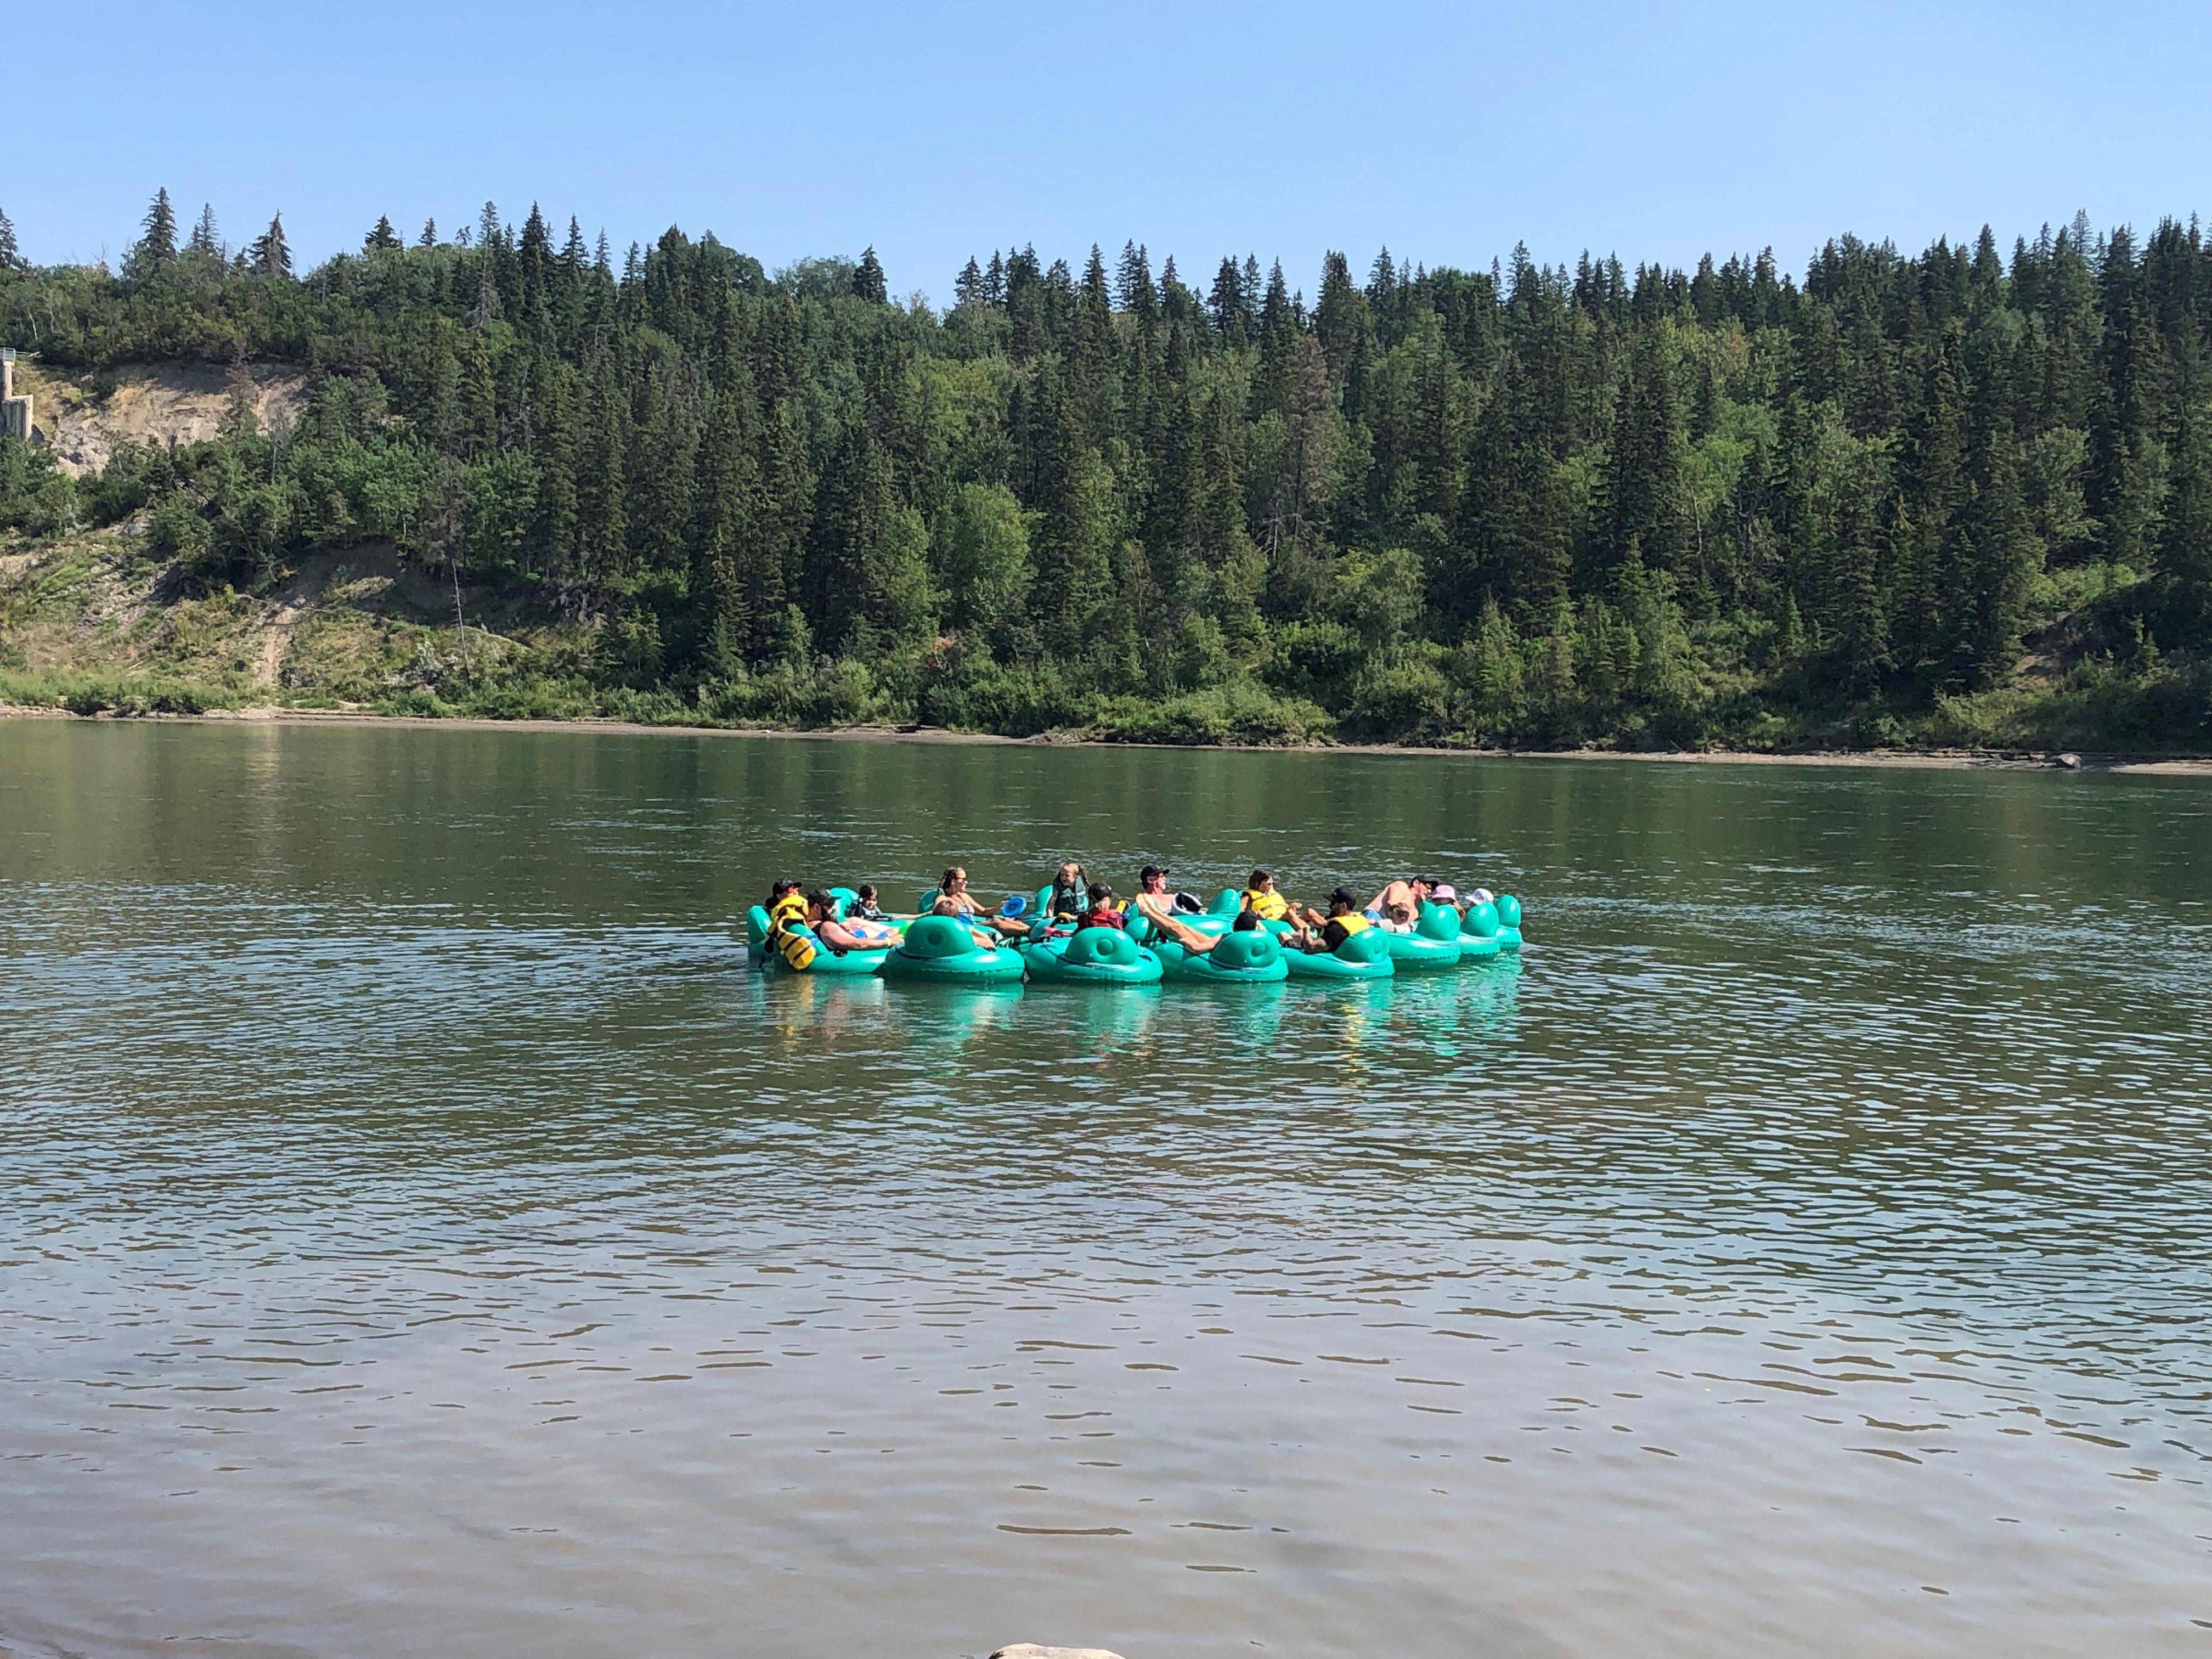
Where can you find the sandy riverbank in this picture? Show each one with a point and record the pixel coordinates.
(2192, 766)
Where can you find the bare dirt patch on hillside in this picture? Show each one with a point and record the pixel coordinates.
(84, 419)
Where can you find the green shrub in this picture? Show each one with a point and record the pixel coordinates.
(1241, 712)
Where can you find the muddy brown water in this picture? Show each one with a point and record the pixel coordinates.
(423, 1233)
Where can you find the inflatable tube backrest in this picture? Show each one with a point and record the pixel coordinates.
(1107, 946)
(1508, 910)
(1368, 945)
(923, 900)
(847, 898)
(1439, 921)
(755, 929)
(938, 937)
(1043, 902)
(1254, 949)
(1226, 902)
(1482, 920)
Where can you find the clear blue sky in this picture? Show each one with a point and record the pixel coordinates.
(1448, 132)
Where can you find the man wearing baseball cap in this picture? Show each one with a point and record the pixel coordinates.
(1316, 934)
(1155, 905)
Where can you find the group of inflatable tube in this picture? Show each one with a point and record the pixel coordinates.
(952, 950)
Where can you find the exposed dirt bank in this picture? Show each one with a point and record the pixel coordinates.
(85, 417)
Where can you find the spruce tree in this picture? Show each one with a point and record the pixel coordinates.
(2184, 542)
(10, 258)
(555, 388)
(2002, 558)
(776, 572)
(204, 238)
(155, 249)
(534, 279)
(729, 501)
(381, 238)
(1340, 324)
(851, 504)
(1092, 358)
(1644, 487)
(868, 279)
(430, 236)
(1176, 300)
(662, 463)
(602, 464)
(1230, 304)
(269, 255)
(1028, 321)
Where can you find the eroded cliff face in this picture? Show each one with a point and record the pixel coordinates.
(83, 420)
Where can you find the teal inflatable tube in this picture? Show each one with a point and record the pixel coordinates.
(849, 964)
(1434, 942)
(1090, 956)
(1365, 955)
(1255, 958)
(945, 950)
(1509, 922)
(1479, 940)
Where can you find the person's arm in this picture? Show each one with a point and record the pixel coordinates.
(847, 938)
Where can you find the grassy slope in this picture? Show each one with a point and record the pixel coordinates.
(87, 623)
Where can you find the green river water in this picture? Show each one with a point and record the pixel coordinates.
(421, 1233)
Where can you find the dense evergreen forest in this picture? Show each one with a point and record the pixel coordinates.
(1882, 503)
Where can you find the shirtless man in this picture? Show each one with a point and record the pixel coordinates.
(1400, 902)
(1156, 905)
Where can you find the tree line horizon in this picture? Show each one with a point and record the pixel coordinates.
(1527, 504)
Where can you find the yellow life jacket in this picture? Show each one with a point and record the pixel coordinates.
(792, 907)
(1268, 907)
(795, 944)
(1352, 922)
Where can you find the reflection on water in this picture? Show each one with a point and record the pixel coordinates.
(423, 1231)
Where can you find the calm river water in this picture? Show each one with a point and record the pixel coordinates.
(419, 1233)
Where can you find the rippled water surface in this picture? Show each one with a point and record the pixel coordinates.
(421, 1233)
